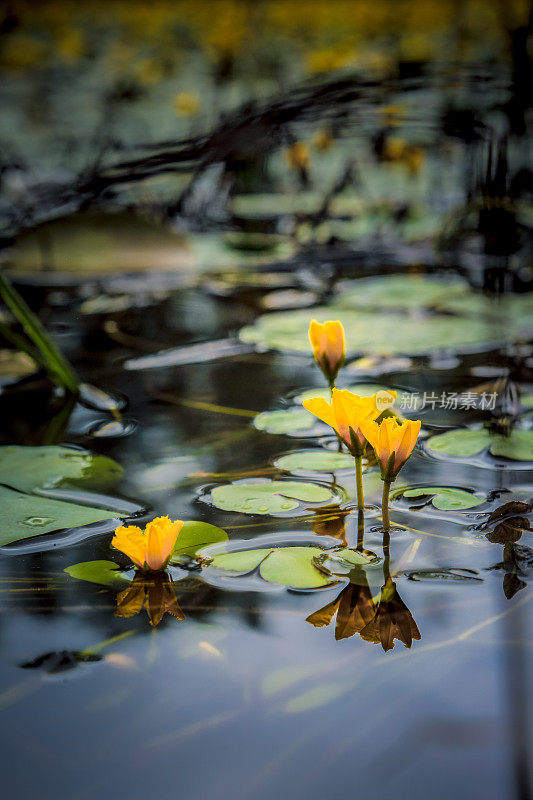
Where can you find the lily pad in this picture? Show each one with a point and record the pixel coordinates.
(445, 498)
(400, 291)
(518, 446)
(267, 497)
(106, 573)
(380, 333)
(314, 461)
(24, 515)
(288, 566)
(195, 535)
(290, 421)
(355, 558)
(464, 443)
(42, 469)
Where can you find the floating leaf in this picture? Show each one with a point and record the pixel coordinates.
(289, 566)
(459, 442)
(41, 469)
(242, 561)
(445, 498)
(195, 535)
(411, 292)
(294, 419)
(268, 497)
(106, 573)
(374, 333)
(314, 461)
(24, 515)
(518, 446)
(293, 566)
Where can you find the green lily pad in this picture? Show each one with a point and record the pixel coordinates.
(315, 461)
(293, 566)
(243, 561)
(518, 446)
(446, 499)
(195, 535)
(460, 442)
(106, 573)
(294, 419)
(42, 469)
(400, 291)
(268, 497)
(24, 515)
(289, 566)
(381, 333)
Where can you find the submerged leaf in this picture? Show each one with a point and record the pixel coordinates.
(268, 497)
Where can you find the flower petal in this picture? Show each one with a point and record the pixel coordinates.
(161, 535)
(130, 541)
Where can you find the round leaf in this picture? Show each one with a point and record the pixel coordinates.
(24, 515)
(195, 535)
(42, 469)
(518, 446)
(314, 461)
(268, 497)
(106, 573)
(446, 499)
(461, 442)
(290, 421)
(293, 566)
(243, 561)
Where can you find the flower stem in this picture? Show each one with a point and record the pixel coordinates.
(385, 506)
(359, 482)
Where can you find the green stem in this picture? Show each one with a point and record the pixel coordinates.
(56, 363)
(385, 506)
(359, 482)
(360, 530)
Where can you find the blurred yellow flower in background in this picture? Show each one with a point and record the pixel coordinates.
(329, 346)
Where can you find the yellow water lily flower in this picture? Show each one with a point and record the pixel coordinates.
(150, 550)
(393, 443)
(329, 347)
(346, 413)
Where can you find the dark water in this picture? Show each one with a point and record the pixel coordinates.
(245, 698)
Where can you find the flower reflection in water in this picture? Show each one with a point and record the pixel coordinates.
(153, 592)
(379, 620)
